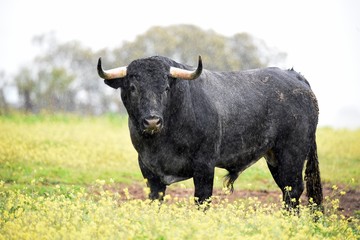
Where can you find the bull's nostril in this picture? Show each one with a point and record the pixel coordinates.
(158, 122)
(145, 122)
(153, 122)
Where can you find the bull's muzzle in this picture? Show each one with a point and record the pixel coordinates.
(152, 124)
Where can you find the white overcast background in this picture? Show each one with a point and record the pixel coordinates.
(321, 38)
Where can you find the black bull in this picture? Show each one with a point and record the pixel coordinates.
(184, 123)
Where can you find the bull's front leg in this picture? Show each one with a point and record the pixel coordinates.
(157, 188)
(203, 182)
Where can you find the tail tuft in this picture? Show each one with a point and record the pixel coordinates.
(230, 178)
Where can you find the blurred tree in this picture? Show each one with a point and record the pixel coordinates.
(4, 107)
(73, 66)
(26, 85)
(48, 89)
(53, 92)
(184, 42)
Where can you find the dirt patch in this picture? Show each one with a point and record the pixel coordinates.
(349, 202)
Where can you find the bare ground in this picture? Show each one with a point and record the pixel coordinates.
(349, 202)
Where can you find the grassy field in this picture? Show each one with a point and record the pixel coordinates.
(49, 163)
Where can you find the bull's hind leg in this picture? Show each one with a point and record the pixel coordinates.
(286, 168)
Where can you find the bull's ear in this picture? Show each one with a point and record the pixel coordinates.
(114, 83)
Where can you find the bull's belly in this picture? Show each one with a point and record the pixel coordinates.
(237, 163)
(239, 160)
(170, 179)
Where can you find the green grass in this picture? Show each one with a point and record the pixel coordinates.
(72, 150)
(339, 155)
(66, 149)
(52, 172)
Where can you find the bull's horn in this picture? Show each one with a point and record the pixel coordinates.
(119, 72)
(186, 74)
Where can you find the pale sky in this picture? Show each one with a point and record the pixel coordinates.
(321, 38)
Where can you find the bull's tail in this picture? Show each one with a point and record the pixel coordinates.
(230, 179)
(312, 176)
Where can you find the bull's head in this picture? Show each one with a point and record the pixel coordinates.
(145, 89)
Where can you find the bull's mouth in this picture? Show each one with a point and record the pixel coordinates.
(151, 131)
